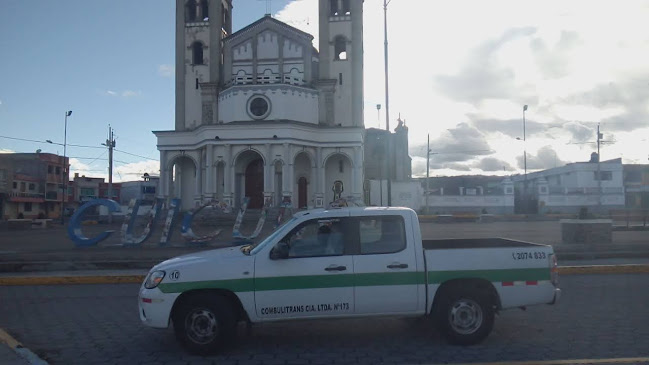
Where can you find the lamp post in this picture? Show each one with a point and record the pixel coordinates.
(65, 167)
(427, 172)
(524, 162)
(387, 104)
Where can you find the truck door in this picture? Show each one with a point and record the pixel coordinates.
(385, 269)
(314, 278)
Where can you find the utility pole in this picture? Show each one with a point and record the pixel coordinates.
(387, 103)
(427, 172)
(110, 143)
(599, 173)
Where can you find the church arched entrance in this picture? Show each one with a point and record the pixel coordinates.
(254, 183)
(338, 177)
(301, 193)
(183, 181)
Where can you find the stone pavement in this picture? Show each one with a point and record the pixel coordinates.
(598, 317)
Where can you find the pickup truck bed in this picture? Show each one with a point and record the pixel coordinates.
(475, 243)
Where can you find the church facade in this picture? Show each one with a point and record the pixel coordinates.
(262, 114)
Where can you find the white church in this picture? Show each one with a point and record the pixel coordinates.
(261, 113)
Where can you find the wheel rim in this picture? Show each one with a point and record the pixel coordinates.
(465, 316)
(201, 326)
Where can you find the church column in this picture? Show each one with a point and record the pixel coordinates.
(210, 174)
(320, 173)
(287, 180)
(357, 176)
(228, 175)
(320, 198)
(164, 176)
(198, 189)
(268, 173)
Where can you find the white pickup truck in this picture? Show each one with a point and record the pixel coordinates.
(343, 263)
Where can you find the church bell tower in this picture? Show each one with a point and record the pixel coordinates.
(201, 26)
(341, 62)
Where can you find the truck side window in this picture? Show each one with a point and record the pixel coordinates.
(382, 234)
(318, 237)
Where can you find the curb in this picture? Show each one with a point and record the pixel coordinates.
(138, 279)
(23, 352)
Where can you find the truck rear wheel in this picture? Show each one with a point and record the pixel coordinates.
(465, 317)
(204, 323)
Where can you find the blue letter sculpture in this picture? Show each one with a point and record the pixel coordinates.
(74, 228)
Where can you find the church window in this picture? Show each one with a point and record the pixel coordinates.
(204, 10)
(341, 165)
(346, 9)
(190, 11)
(340, 78)
(334, 8)
(340, 48)
(258, 107)
(197, 53)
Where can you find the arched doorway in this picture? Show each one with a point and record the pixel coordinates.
(183, 181)
(254, 183)
(301, 193)
(338, 176)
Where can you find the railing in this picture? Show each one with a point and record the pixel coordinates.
(630, 217)
(25, 195)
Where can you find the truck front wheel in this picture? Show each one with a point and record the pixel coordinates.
(204, 323)
(464, 316)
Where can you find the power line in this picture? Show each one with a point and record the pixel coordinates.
(133, 154)
(50, 142)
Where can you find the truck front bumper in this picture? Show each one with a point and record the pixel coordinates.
(155, 307)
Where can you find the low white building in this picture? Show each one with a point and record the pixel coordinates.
(597, 186)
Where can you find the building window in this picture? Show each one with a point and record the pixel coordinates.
(334, 8)
(341, 165)
(258, 107)
(603, 175)
(15, 184)
(204, 10)
(49, 169)
(340, 48)
(58, 170)
(197, 53)
(28, 207)
(32, 186)
(346, 9)
(190, 11)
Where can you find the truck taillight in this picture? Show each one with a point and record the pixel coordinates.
(554, 270)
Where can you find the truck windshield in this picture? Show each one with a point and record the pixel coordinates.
(255, 247)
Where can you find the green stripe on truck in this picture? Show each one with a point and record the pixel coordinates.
(351, 280)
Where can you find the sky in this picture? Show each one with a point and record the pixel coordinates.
(459, 71)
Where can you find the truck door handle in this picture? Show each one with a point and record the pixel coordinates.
(398, 266)
(336, 268)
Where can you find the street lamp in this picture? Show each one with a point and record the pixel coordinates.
(524, 161)
(387, 100)
(65, 167)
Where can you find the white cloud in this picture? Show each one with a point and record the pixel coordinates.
(135, 170)
(131, 93)
(166, 70)
(3, 150)
(111, 93)
(554, 56)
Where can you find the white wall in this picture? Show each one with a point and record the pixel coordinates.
(287, 103)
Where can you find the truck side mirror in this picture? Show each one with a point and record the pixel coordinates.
(280, 251)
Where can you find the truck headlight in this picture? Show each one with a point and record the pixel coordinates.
(153, 279)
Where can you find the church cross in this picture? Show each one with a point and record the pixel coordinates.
(268, 6)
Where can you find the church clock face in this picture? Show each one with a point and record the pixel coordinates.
(258, 107)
